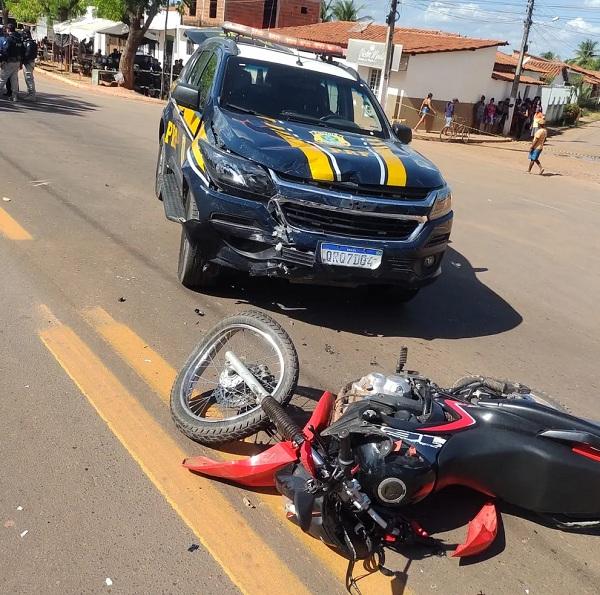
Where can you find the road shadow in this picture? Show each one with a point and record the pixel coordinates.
(457, 305)
(52, 103)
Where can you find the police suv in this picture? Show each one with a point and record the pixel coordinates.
(279, 164)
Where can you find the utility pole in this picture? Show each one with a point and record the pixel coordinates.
(389, 53)
(515, 86)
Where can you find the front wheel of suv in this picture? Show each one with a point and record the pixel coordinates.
(193, 271)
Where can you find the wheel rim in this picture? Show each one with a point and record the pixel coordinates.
(212, 392)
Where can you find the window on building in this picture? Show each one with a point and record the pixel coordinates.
(303, 10)
(374, 79)
(270, 14)
(192, 6)
(212, 9)
(189, 47)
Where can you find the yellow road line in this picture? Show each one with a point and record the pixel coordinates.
(11, 229)
(250, 563)
(159, 375)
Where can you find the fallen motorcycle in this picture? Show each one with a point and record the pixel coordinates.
(384, 442)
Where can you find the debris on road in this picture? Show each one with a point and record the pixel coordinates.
(8, 524)
(122, 299)
(199, 312)
(108, 582)
(329, 349)
(23, 533)
(37, 183)
(193, 547)
(19, 508)
(6, 199)
(248, 503)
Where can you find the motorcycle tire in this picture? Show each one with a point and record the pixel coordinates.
(537, 396)
(211, 431)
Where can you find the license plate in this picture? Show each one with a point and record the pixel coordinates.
(351, 256)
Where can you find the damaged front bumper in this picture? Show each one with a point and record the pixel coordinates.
(282, 237)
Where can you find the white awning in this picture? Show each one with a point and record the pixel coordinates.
(83, 28)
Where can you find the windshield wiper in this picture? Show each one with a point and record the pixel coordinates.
(296, 117)
(239, 108)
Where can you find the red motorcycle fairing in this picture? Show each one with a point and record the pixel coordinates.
(481, 532)
(465, 419)
(259, 470)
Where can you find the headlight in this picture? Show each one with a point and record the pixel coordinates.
(236, 174)
(442, 205)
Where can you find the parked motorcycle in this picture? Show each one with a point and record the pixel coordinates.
(384, 443)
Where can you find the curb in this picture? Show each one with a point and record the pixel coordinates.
(132, 95)
(472, 141)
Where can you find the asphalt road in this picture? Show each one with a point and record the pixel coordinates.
(93, 324)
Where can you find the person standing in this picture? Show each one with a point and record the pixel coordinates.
(426, 109)
(449, 111)
(11, 54)
(490, 115)
(537, 146)
(30, 49)
(478, 113)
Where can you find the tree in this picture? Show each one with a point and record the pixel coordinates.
(137, 15)
(549, 56)
(30, 10)
(586, 53)
(346, 10)
(325, 10)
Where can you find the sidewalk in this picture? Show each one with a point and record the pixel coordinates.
(434, 135)
(83, 82)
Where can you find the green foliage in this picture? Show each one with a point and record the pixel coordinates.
(28, 11)
(549, 56)
(571, 112)
(326, 10)
(346, 10)
(586, 55)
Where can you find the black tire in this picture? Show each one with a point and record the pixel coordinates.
(537, 396)
(248, 423)
(160, 168)
(193, 270)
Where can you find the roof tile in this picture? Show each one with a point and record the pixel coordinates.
(414, 41)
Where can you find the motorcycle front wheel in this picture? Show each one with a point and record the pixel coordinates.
(210, 403)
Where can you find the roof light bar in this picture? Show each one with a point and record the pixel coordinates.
(327, 49)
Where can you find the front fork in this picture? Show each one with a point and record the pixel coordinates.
(349, 489)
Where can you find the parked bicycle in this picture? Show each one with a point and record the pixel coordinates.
(455, 131)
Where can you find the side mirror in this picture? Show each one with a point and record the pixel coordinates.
(403, 133)
(186, 96)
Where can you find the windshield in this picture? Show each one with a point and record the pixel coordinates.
(301, 95)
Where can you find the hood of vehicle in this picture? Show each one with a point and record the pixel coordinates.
(308, 152)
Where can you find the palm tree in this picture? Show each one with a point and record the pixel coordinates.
(586, 53)
(346, 10)
(549, 56)
(325, 10)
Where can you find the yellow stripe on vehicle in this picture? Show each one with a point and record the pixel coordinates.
(396, 172)
(11, 229)
(250, 563)
(198, 155)
(160, 376)
(318, 162)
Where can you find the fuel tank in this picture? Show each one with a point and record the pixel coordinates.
(528, 455)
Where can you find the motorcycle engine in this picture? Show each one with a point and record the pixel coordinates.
(393, 470)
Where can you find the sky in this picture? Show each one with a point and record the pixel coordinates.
(558, 25)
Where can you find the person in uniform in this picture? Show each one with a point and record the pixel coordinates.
(11, 54)
(29, 55)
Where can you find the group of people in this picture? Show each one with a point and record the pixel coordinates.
(491, 116)
(110, 61)
(17, 51)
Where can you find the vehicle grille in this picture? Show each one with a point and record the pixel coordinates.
(366, 190)
(344, 223)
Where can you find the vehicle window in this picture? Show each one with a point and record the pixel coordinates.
(207, 77)
(197, 68)
(290, 93)
(364, 112)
